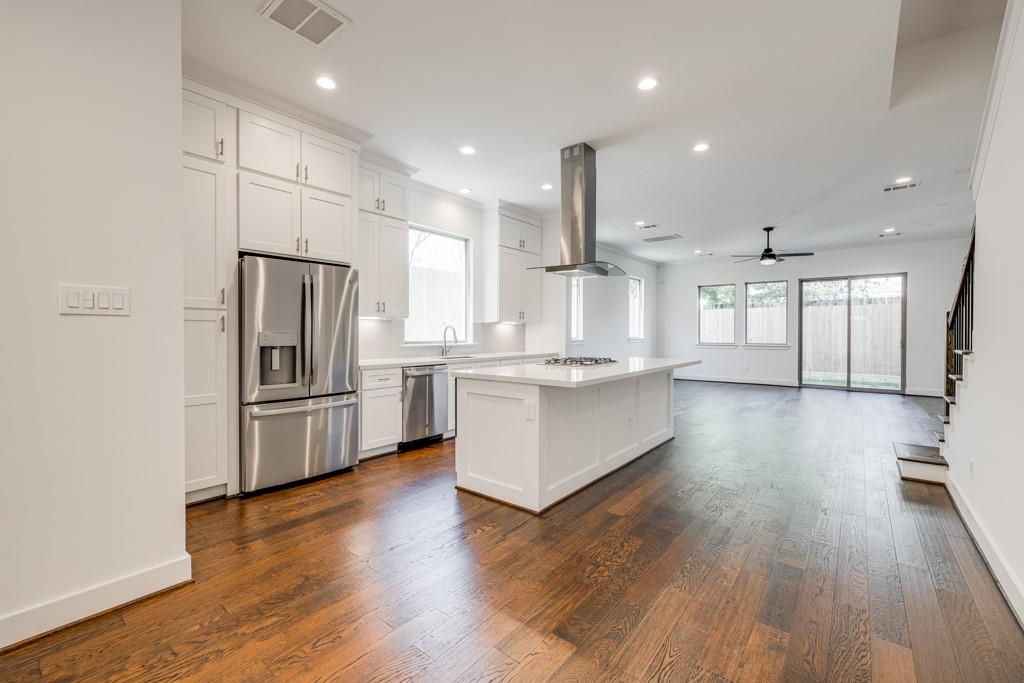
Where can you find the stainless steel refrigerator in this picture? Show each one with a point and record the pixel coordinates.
(299, 370)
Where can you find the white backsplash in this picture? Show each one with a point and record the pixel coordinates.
(385, 339)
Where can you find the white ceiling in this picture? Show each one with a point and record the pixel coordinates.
(794, 97)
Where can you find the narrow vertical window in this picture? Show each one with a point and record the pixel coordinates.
(576, 309)
(636, 308)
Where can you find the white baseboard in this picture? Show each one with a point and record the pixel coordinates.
(740, 380)
(67, 609)
(937, 393)
(1009, 582)
(209, 493)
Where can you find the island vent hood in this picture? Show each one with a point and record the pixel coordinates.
(579, 216)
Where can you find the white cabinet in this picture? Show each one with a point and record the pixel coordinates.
(326, 226)
(516, 234)
(326, 164)
(268, 146)
(383, 263)
(451, 400)
(206, 409)
(206, 127)
(516, 289)
(268, 215)
(380, 418)
(207, 232)
(383, 192)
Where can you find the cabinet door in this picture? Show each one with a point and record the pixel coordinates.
(369, 190)
(392, 196)
(205, 126)
(206, 406)
(394, 267)
(508, 232)
(368, 263)
(529, 287)
(655, 420)
(617, 423)
(326, 165)
(509, 264)
(268, 215)
(206, 233)
(530, 236)
(380, 418)
(326, 226)
(267, 146)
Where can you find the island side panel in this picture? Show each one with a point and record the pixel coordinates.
(570, 458)
(497, 446)
(656, 419)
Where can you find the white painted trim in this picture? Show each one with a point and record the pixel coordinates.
(67, 609)
(387, 162)
(444, 194)
(208, 493)
(516, 211)
(242, 96)
(377, 452)
(911, 391)
(1009, 583)
(1007, 36)
(742, 380)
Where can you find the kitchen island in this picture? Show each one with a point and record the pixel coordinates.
(533, 434)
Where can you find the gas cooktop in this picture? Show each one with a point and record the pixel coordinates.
(579, 360)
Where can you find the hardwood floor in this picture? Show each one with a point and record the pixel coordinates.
(772, 540)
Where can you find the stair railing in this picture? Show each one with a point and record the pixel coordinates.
(960, 323)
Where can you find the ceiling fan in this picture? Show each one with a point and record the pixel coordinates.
(768, 257)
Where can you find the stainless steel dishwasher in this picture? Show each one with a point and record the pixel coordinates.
(424, 402)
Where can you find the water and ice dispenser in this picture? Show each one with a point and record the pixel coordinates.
(279, 353)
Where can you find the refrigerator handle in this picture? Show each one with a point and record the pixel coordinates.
(312, 334)
(303, 332)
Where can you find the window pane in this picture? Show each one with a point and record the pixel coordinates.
(576, 309)
(437, 286)
(636, 308)
(766, 312)
(717, 322)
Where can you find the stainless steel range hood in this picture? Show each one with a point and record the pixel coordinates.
(579, 216)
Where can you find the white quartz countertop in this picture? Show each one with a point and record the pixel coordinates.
(455, 359)
(573, 377)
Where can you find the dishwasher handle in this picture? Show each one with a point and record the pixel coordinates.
(425, 370)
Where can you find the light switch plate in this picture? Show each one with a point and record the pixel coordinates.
(93, 300)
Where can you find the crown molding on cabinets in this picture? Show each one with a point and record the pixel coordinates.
(1012, 20)
(388, 163)
(444, 194)
(251, 98)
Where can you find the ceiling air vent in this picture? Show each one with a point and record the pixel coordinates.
(663, 238)
(905, 186)
(314, 21)
(647, 226)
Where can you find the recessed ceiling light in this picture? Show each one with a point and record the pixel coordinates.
(903, 180)
(890, 230)
(697, 251)
(466, 190)
(701, 147)
(546, 186)
(639, 224)
(468, 150)
(326, 83)
(647, 83)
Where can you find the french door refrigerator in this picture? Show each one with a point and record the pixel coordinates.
(299, 370)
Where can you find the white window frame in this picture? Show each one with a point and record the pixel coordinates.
(700, 341)
(576, 309)
(643, 310)
(746, 315)
(469, 287)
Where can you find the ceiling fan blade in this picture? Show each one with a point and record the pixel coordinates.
(779, 259)
(744, 255)
(800, 253)
(751, 258)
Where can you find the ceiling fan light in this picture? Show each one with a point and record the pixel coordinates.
(768, 260)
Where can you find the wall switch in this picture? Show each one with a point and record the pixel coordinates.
(93, 300)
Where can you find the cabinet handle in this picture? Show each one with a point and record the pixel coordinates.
(307, 245)
(222, 296)
(297, 245)
(385, 306)
(222, 323)
(383, 205)
(297, 170)
(377, 203)
(378, 307)
(306, 171)
(220, 147)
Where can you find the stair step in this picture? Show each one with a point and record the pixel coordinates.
(914, 452)
(944, 418)
(955, 378)
(941, 436)
(951, 400)
(963, 352)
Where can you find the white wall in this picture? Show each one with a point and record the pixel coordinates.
(92, 463)
(606, 310)
(433, 208)
(985, 427)
(932, 268)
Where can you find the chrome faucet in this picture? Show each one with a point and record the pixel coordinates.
(444, 340)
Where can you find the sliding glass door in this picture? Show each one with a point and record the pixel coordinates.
(852, 332)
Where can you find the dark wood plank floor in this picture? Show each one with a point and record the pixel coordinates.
(772, 540)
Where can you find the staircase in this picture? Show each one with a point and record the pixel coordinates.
(925, 462)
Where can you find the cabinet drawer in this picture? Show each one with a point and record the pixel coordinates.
(379, 379)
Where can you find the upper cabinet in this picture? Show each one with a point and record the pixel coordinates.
(511, 245)
(326, 164)
(383, 264)
(269, 215)
(268, 146)
(207, 127)
(327, 226)
(383, 192)
(515, 233)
